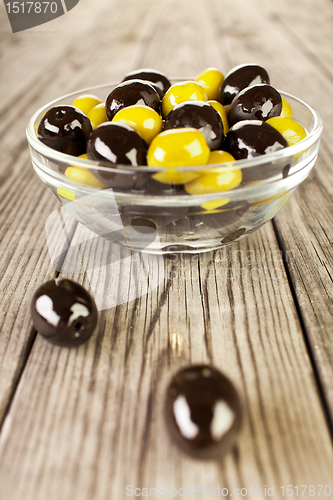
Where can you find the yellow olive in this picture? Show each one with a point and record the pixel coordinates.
(227, 107)
(179, 147)
(211, 79)
(264, 201)
(291, 130)
(217, 179)
(66, 193)
(214, 182)
(97, 115)
(86, 102)
(286, 111)
(82, 175)
(219, 156)
(214, 204)
(181, 92)
(223, 114)
(145, 120)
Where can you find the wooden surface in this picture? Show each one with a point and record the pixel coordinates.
(83, 423)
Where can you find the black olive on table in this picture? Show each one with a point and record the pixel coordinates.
(64, 312)
(203, 411)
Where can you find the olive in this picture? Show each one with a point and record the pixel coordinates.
(211, 79)
(199, 115)
(222, 112)
(158, 90)
(66, 193)
(65, 129)
(64, 312)
(258, 102)
(86, 102)
(174, 148)
(83, 175)
(291, 130)
(286, 111)
(180, 92)
(142, 119)
(219, 156)
(97, 115)
(250, 138)
(214, 180)
(240, 77)
(116, 143)
(203, 411)
(159, 79)
(129, 93)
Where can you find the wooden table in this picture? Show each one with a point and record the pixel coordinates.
(82, 424)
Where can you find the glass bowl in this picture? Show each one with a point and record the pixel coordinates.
(130, 208)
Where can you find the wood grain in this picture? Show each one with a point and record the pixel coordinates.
(84, 423)
(87, 422)
(25, 202)
(304, 229)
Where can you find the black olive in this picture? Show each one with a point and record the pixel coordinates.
(259, 102)
(250, 138)
(66, 129)
(203, 411)
(64, 312)
(240, 77)
(151, 75)
(116, 143)
(129, 93)
(199, 115)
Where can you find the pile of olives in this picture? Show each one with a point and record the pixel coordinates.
(147, 121)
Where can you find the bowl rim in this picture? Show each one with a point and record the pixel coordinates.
(53, 154)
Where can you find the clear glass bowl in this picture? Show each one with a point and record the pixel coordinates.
(142, 214)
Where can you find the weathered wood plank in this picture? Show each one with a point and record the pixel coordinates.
(310, 266)
(24, 266)
(25, 202)
(69, 40)
(305, 229)
(86, 423)
(307, 25)
(305, 232)
(75, 66)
